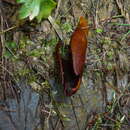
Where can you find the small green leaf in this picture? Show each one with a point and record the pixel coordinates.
(109, 66)
(67, 27)
(7, 54)
(30, 8)
(21, 1)
(36, 8)
(11, 45)
(46, 7)
(98, 30)
(66, 119)
(23, 71)
(25, 10)
(52, 42)
(35, 53)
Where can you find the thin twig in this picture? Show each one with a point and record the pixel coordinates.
(57, 9)
(56, 27)
(8, 29)
(2, 47)
(57, 124)
(75, 114)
